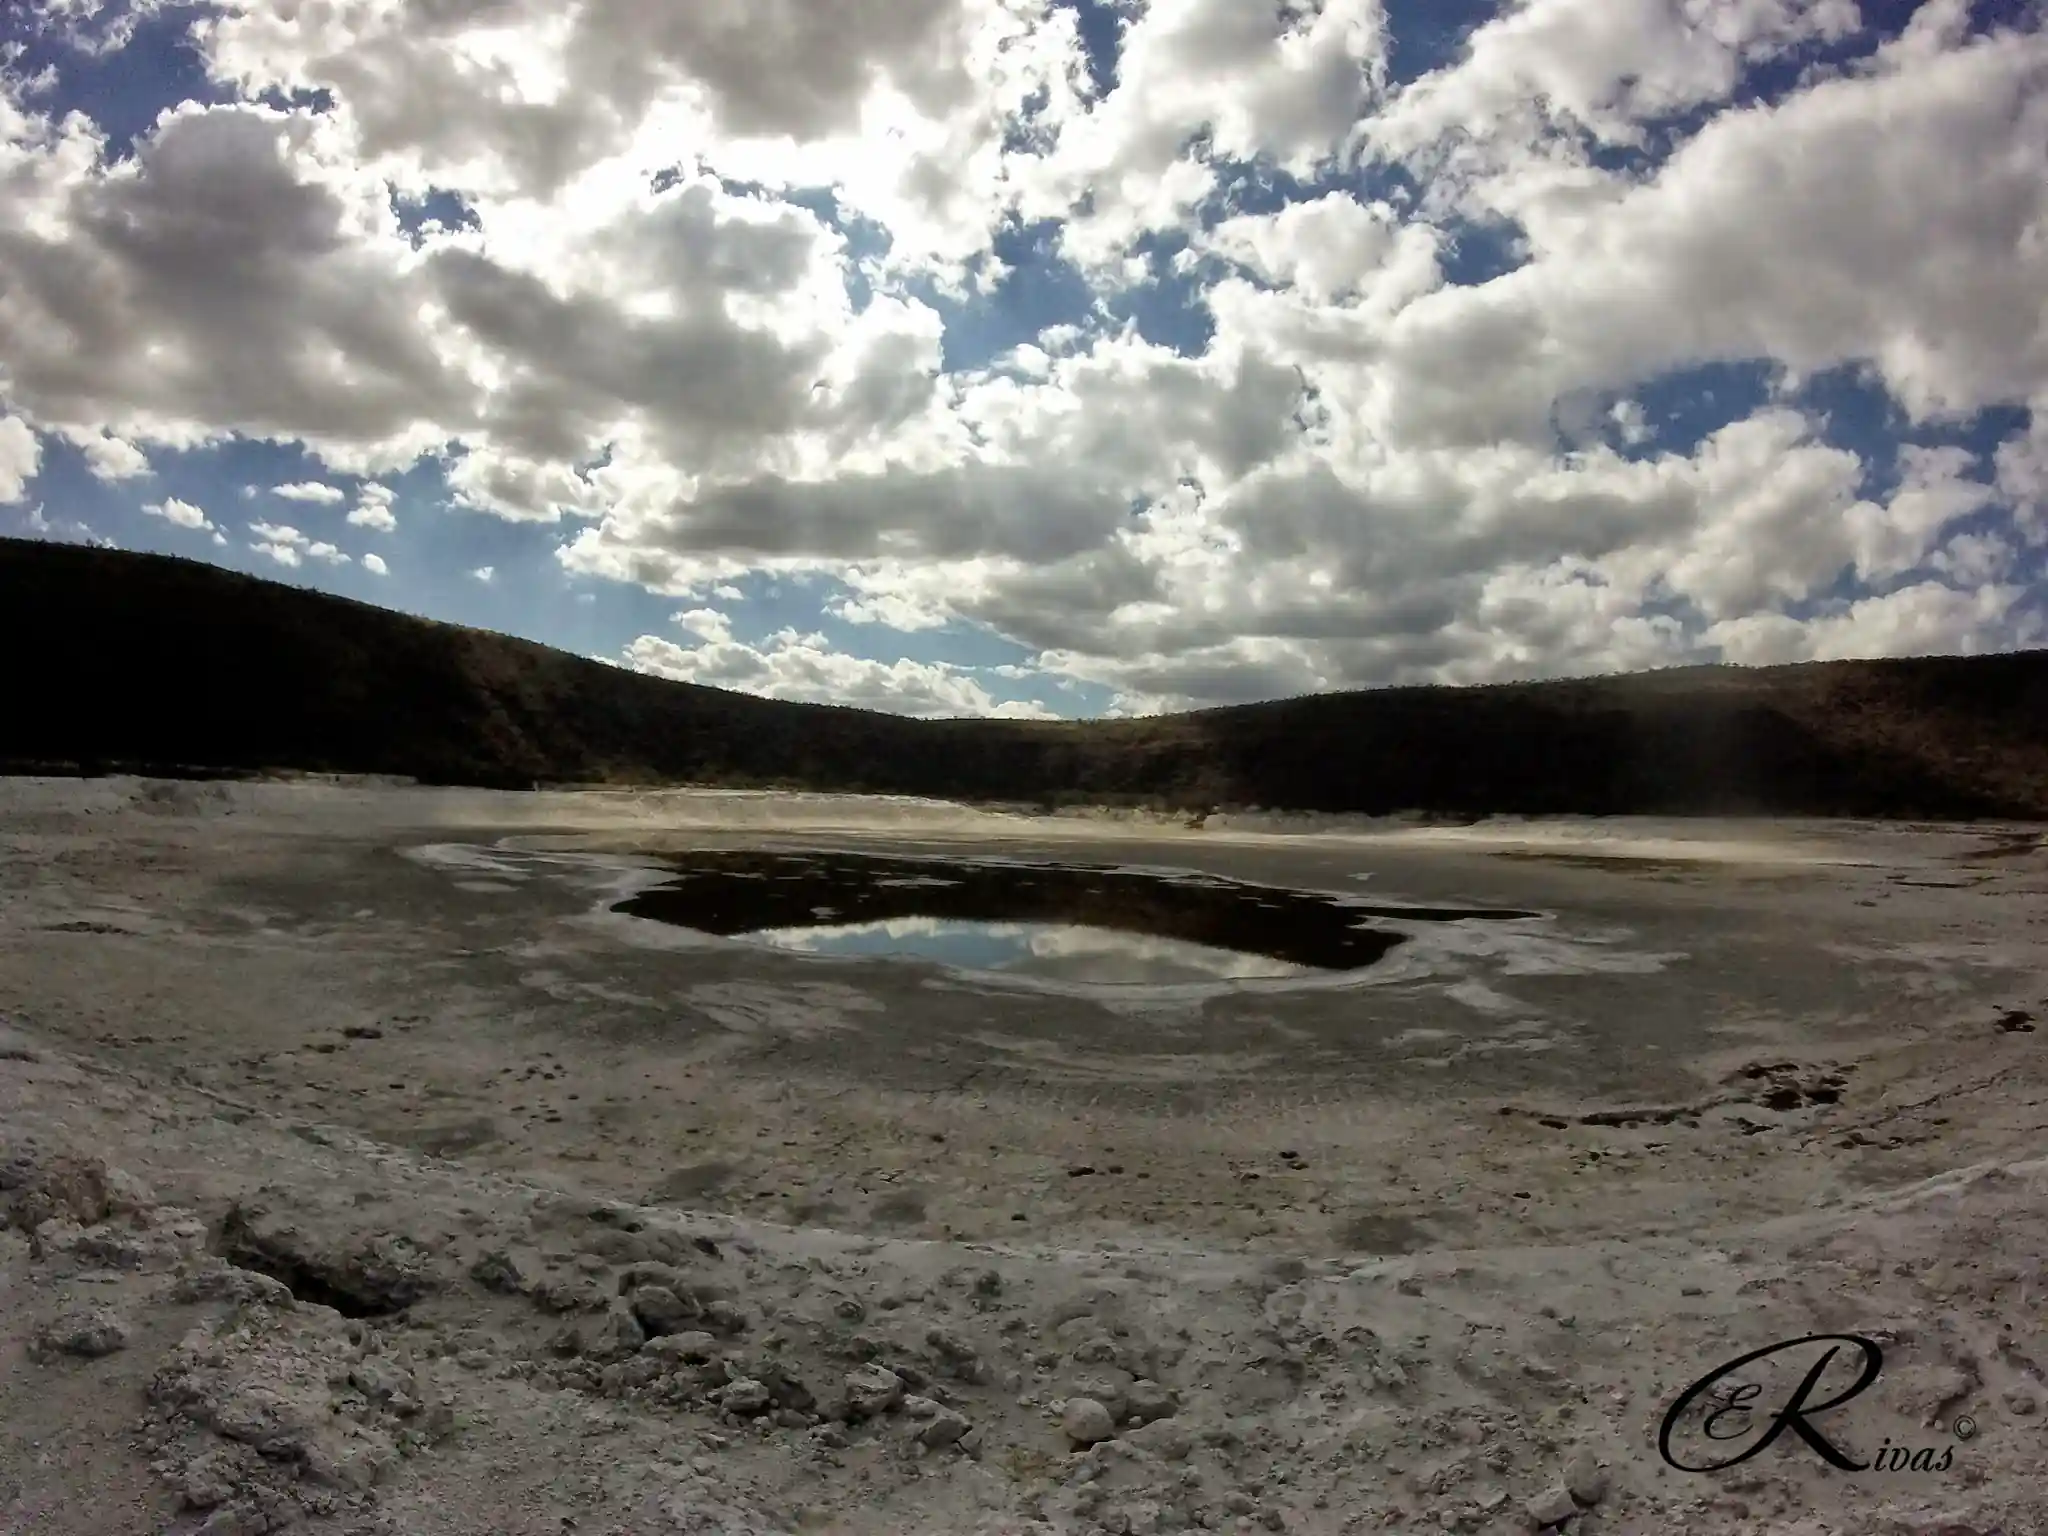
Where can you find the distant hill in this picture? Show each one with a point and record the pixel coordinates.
(149, 663)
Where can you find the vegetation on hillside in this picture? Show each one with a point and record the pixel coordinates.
(151, 663)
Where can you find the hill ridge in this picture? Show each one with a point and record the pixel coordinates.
(123, 658)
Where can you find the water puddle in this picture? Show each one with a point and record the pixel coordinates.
(1088, 923)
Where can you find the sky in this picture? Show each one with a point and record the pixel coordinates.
(1051, 357)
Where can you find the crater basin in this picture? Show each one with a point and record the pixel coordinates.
(1093, 923)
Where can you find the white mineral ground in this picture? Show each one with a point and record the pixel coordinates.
(361, 1172)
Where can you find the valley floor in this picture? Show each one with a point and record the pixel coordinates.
(360, 1171)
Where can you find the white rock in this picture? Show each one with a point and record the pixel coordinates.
(1086, 1421)
(1584, 1478)
(872, 1390)
(1553, 1506)
(945, 1428)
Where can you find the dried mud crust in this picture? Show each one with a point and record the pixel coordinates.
(352, 1196)
(291, 1328)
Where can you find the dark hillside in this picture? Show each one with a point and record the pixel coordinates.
(148, 662)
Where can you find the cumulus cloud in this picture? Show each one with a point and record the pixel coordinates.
(692, 326)
(226, 281)
(2022, 469)
(375, 565)
(289, 547)
(1604, 69)
(20, 457)
(1772, 233)
(485, 574)
(181, 514)
(791, 665)
(311, 490)
(1199, 83)
(373, 508)
(1330, 249)
(1922, 619)
(111, 458)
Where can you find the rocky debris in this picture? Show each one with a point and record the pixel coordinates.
(785, 1390)
(660, 1310)
(85, 1332)
(136, 1241)
(726, 1317)
(693, 1347)
(283, 1410)
(945, 1427)
(509, 1271)
(1107, 1389)
(746, 1396)
(105, 1247)
(209, 1479)
(365, 1275)
(571, 1293)
(38, 1186)
(1405, 1394)
(1147, 1401)
(959, 1359)
(1552, 1507)
(872, 1390)
(214, 1280)
(1167, 1439)
(1584, 1477)
(620, 1333)
(1086, 1421)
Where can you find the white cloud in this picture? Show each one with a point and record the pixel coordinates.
(2022, 462)
(284, 543)
(311, 490)
(1331, 249)
(373, 508)
(1370, 474)
(291, 547)
(111, 458)
(375, 565)
(1927, 618)
(706, 624)
(1773, 233)
(1603, 68)
(180, 514)
(485, 574)
(805, 667)
(20, 456)
(1285, 83)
